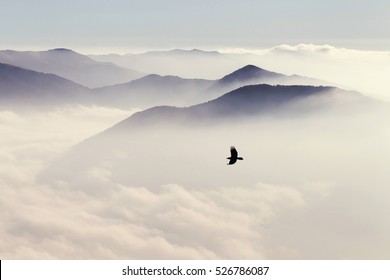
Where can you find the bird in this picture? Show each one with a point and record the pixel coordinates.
(233, 156)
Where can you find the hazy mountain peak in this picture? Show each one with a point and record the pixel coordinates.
(251, 101)
(203, 52)
(248, 72)
(248, 69)
(64, 55)
(183, 52)
(169, 79)
(151, 79)
(61, 50)
(151, 76)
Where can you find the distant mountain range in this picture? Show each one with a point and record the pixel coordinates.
(148, 91)
(159, 145)
(253, 101)
(184, 63)
(70, 65)
(197, 63)
(19, 86)
(251, 75)
(153, 90)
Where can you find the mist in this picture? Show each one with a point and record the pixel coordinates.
(110, 181)
(365, 71)
(310, 187)
(361, 70)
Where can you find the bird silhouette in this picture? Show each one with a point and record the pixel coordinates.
(233, 156)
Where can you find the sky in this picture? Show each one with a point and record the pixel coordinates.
(122, 26)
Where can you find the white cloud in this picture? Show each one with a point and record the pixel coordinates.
(317, 190)
(311, 48)
(129, 222)
(118, 221)
(8, 117)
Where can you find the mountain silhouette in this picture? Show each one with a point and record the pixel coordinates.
(70, 65)
(190, 64)
(251, 74)
(21, 86)
(251, 102)
(142, 149)
(153, 90)
(181, 52)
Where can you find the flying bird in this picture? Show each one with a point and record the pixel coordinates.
(233, 156)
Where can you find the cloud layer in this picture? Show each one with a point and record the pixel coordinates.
(284, 210)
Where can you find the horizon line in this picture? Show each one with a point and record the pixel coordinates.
(221, 50)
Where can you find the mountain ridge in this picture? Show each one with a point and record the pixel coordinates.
(70, 65)
(251, 101)
(248, 72)
(153, 89)
(20, 85)
(150, 141)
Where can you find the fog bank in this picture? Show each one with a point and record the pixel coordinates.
(308, 188)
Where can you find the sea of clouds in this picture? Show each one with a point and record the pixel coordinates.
(316, 189)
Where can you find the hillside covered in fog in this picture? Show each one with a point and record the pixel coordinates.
(138, 164)
(71, 65)
(44, 83)
(22, 87)
(156, 138)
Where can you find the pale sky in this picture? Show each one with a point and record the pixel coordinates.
(126, 25)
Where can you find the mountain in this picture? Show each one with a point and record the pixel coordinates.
(188, 146)
(153, 90)
(251, 74)
(251, 102)
(180, 52)
(21, 86)
(70, 65)
(305, 60)
(211, 65)
(184, 63)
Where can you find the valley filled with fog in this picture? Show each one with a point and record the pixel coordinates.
(90, 169)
